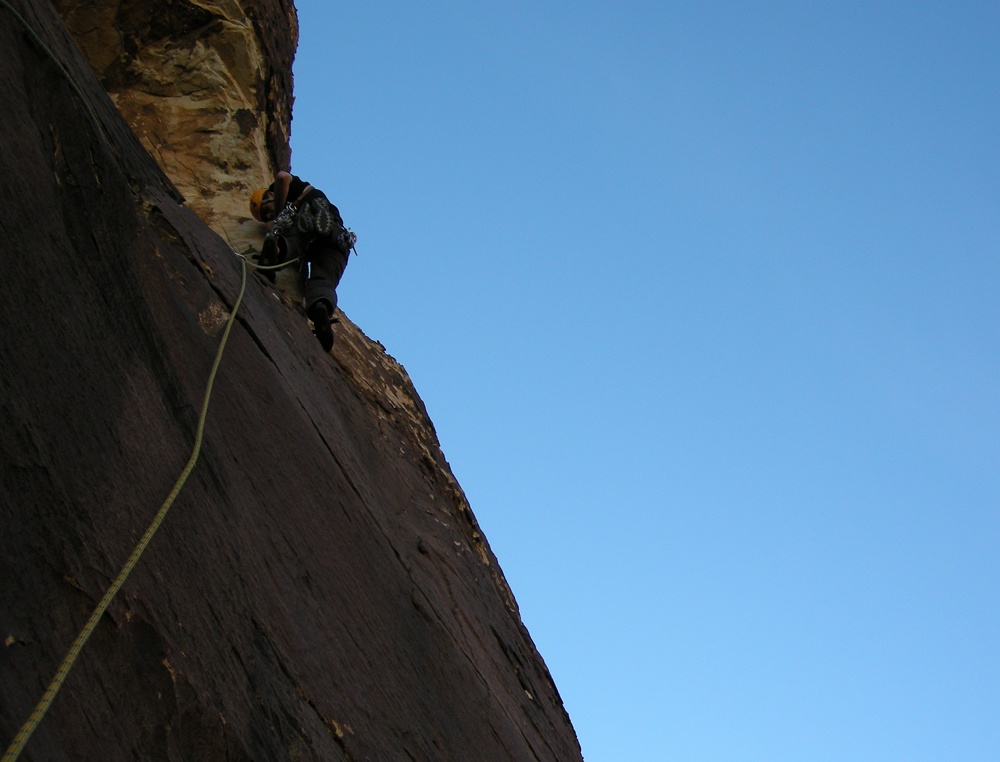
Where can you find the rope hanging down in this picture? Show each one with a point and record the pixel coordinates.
(24, 734)
(74, 651)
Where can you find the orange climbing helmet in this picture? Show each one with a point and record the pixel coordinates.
(255, 201)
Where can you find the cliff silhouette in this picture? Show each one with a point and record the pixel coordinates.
(320, 589)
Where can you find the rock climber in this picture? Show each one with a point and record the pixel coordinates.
(307, 227)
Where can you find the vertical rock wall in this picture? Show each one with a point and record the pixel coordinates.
(205, 85)
(321, 589)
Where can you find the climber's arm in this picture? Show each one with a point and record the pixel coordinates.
(282, 182)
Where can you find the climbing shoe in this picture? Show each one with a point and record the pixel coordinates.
(319, 314)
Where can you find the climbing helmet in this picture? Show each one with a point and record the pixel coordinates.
(255, 203)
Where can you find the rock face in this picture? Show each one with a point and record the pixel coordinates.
(320, 589)
(206, 85)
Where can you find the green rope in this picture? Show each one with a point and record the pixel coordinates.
(255, 266)
(50, 693)
(24, 734)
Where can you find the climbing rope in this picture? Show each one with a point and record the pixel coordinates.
(74, 650)
(24, 734)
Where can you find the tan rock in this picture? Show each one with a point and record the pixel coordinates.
(205, 90)
(321, 590)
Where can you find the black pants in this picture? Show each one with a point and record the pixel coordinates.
(321, 266)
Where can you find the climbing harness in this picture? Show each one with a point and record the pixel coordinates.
(74, 650)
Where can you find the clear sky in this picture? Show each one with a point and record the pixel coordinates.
(704, 302)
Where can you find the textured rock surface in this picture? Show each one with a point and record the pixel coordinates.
(320, 590)
(207, 87)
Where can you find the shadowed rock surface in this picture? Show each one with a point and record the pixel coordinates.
(320, 589)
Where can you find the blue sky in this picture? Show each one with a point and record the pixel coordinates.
(703, 301)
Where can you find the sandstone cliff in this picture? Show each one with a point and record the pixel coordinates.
(320, 589)
(206, 85)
